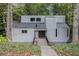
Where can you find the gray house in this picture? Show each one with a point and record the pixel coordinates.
(53, 28)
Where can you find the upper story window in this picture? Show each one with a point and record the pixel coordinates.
(38, 19)
(32, 19)
(35, 19)
(24, 31)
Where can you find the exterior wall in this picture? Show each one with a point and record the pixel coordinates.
(18, 36)
(51, 29)
(60, 19)
(61, 32)
(51, 26)
(62, 35)
(27, 18)
(24, 19)
(36, 34)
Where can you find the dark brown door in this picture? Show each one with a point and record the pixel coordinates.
(41, 34)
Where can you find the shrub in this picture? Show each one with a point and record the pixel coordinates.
(69, 49)
(3, 39)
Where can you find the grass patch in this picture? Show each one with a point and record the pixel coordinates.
(68, 49)
(19, 49)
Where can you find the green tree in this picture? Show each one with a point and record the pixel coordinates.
(65, 9)
(2, 15)
(36, 9)
(18, 10)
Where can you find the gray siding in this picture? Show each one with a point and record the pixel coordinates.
(53, 23)
(48, 23)
(51, 26)
(26, 19)
(18, 36)
(30, 25)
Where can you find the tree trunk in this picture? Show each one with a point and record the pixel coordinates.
(9, 21)
(76, 23)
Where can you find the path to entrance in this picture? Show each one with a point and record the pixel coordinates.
(45, 49)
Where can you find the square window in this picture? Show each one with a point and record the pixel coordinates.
(24, 31)
(38, 19)
(32, 19)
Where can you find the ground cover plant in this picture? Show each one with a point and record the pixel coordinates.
(19, 49)
(68, 49)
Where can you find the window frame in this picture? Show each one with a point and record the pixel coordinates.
(24, 31)
(32, 19)
(37, 19)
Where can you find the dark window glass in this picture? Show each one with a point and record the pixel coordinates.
(56, 32)
(38, 19)
(32, 19)
(24, 31)
(67, 32)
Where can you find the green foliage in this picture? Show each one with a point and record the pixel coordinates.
(69, 49)
(18, 10)
(19, 49)
(66, 9)
(2, 14)
(3, 39)
(36, 9)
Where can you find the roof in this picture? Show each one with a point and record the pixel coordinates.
(29, 25)
(43, 16)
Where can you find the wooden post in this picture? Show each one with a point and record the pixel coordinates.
(9, 21)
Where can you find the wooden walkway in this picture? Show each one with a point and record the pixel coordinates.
(42, 42)
(45, 49)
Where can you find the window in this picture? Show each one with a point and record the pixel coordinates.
(38, 19)
(24, 31)
(67, 32)
(56, 32)
(32, 19)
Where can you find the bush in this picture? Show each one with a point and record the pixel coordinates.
(3, 39)
(19, 49)
(70, 49)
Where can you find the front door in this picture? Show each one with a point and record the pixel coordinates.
(41, 34)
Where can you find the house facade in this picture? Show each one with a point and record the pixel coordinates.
(53, 28)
